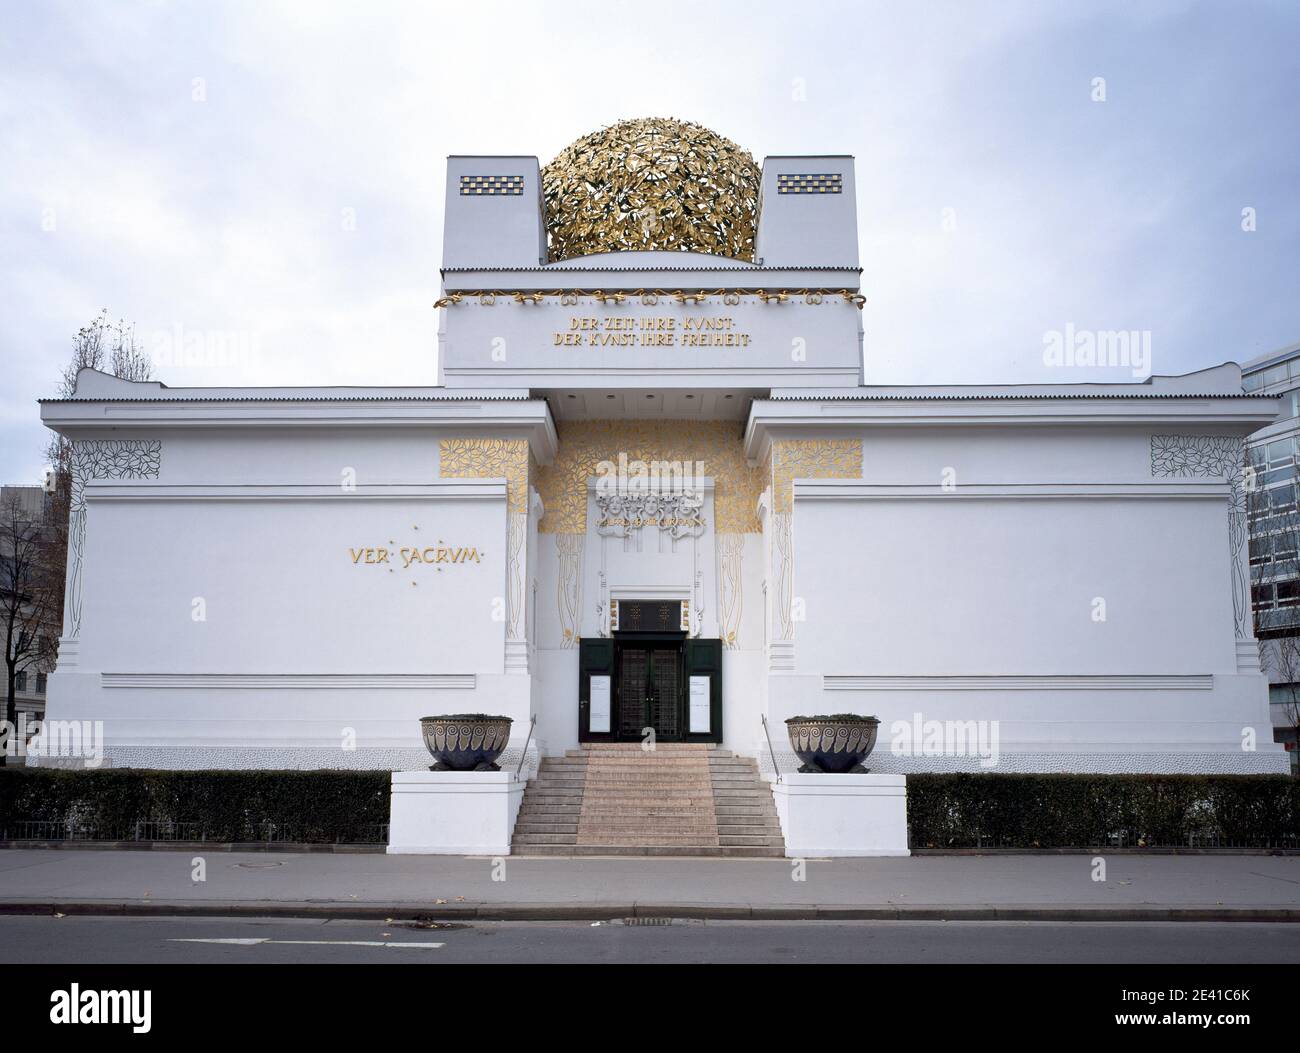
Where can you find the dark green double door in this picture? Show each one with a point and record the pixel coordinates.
(644, 681)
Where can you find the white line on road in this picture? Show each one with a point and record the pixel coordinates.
(238, 942)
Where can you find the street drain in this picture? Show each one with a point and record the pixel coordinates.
(647, 921)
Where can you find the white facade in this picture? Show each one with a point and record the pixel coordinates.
(1063, 564)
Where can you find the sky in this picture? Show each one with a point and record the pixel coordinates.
(270, 175)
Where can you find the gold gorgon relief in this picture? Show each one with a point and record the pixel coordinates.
(585, 444)
(508, 459)
(651, 184)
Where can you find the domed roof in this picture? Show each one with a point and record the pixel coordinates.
(651, 184)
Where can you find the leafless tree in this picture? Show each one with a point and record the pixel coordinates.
(30, 597)
(111, 348)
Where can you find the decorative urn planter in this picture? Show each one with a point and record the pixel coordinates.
(465, 741)
(833, 744)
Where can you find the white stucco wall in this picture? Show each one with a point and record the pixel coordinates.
(1055, 590)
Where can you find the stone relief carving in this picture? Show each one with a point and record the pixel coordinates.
(679, 514)
(1215, 457)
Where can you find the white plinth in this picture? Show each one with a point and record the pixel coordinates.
(453, 813)
(842, 815)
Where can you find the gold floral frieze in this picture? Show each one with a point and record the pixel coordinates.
(507, 459)
(793, 459)
(585, 445)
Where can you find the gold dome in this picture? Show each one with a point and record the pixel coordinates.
(651, 184)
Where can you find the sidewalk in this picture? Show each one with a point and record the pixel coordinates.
(1047, 888)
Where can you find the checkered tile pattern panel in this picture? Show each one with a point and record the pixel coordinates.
(491, 185)
(809, 183)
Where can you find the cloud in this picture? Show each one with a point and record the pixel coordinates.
(200, 161)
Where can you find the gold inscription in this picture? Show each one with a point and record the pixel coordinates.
(712, 331)
(409, 555)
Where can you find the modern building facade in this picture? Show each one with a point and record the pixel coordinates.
(656, 492)
(1272, 454)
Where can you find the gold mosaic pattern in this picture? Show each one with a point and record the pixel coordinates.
(651, 184)
(793, 459)
(507, 459)
(584, 444)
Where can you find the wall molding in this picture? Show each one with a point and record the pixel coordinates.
(1093, 761)
(1192, 682)
(458, 489)
(855, 490)
(292, 681)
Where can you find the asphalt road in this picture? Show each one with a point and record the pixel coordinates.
(96, 940)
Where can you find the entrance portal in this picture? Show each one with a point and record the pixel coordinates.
(647, 692)
(636, 681)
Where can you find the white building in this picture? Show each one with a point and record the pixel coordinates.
(292, 577)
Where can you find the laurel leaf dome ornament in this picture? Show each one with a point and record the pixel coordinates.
(651, 184)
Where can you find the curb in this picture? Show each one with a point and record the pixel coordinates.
(193, 846)
(620, 911)
(312, 848)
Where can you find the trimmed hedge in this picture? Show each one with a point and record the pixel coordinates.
(122, 804)
(944, 811)
(1103, 811)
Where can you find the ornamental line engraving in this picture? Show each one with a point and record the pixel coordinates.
(569, 549)
(731, 549)
(99, 459)
(1214, 457)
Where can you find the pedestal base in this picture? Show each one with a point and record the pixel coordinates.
(842, 815)
(453, 813)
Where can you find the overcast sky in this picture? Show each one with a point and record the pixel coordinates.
(273, 173)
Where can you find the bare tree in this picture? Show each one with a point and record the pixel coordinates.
(30, 597)
(111, 348)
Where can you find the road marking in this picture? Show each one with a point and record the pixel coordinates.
(239, 942)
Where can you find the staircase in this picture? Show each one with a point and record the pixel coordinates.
(681, 799)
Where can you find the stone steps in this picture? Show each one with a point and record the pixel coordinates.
(678, 799)
(725, 851)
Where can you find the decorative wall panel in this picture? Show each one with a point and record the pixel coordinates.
(1215, 457)
(811, 459)
(507, 459)
(716, 445)
(99, 459)
(569, 549)
(731, 549)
